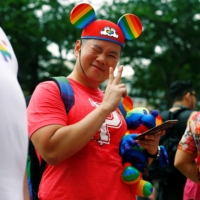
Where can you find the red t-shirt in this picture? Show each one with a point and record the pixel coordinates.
(95, 171)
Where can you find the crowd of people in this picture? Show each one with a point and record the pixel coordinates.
(80, 165)
(170, 182)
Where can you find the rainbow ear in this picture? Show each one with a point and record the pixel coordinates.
(130, 25)
(127, 103)
(82, 15)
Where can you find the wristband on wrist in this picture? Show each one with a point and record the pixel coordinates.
(155, 156)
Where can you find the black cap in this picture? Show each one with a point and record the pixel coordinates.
(179, 88)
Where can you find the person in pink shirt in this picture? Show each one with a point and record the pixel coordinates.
(187, 158)
(81, 148)
(191, 190)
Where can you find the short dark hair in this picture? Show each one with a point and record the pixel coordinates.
(179, 88)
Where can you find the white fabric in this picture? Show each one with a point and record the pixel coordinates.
(13, 125)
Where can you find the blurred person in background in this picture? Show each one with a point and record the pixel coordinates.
(13, 128)
(187, 158)
(169, 182)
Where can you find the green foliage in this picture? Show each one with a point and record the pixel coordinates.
(172, 27)
(31, 27)
(169, 42)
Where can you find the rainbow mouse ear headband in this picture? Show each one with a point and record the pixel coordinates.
(83, 17)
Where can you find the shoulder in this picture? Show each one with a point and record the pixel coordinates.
(194, 123)
(45, 92)
(45, 88)
(47, 85)
(192, 115)
(188, 142)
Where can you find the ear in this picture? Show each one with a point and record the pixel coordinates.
(187, 96)
(130, 25)
(77, 48)
(82, 15)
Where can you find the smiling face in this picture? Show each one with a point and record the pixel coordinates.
(94, 57)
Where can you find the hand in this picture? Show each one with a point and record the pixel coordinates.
(114, 90)
(151, 142)
(127, 142)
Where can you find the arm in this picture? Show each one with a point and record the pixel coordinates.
(56, 142)
(185, 162)
(187, 151)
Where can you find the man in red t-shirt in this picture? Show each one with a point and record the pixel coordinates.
(81, 148)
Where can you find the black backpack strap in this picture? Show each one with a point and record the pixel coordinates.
(178, 114)
(168, 115)
(36, 170)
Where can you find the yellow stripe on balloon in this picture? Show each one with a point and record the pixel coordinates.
(132, 26)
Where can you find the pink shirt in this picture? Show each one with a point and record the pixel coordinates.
(95, 171)
(190, 144)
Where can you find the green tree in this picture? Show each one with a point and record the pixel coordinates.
(31, 27)
(167, 50)
(169, 44)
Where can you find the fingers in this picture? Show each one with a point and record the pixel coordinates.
(125, 93)
(111, 76)
(150, 140)
(161, 133)
(115, 80)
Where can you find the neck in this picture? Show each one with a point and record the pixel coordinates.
(84, 82)
(178, 106)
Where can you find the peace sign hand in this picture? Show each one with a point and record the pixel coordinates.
(114, 90)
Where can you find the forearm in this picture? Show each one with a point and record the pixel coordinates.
(189, 170)
(68, 140)
(186, 164)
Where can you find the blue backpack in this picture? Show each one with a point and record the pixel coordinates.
(34, 168)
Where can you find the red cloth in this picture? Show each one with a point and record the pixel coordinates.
(95, 171)
(191, 191)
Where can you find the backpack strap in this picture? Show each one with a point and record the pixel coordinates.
(66, 91)
(168, 115)
(181, 114)
(34, 170)
(121, 108)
